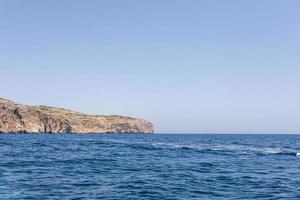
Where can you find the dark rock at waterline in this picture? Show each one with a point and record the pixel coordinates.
(18, 118)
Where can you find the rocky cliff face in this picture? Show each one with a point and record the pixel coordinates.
(18, 118)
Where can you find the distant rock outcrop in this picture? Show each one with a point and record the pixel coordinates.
(18, 118)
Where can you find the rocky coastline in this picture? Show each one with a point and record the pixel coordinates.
(19, 118)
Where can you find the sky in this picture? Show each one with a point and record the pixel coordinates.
(189, 66)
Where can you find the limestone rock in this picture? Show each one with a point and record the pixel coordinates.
(18, 118)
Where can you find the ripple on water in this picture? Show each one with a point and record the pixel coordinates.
(149, 166)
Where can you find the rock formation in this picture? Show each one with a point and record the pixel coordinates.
(18, 118)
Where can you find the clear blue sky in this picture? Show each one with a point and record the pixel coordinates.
(186, 65)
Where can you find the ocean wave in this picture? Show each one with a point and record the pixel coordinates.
(233, 148)
(229, 148)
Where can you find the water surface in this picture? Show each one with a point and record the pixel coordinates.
(149, 166)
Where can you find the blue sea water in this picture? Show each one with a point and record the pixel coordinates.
(158, 166)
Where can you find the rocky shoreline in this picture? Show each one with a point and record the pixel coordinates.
(18, 118)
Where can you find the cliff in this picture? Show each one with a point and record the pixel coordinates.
(18, 118)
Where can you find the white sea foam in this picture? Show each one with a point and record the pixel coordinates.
(234, 148)
(272, 150)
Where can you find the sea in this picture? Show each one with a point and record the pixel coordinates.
(149, 166)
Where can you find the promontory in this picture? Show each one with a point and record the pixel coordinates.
(18, 118)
